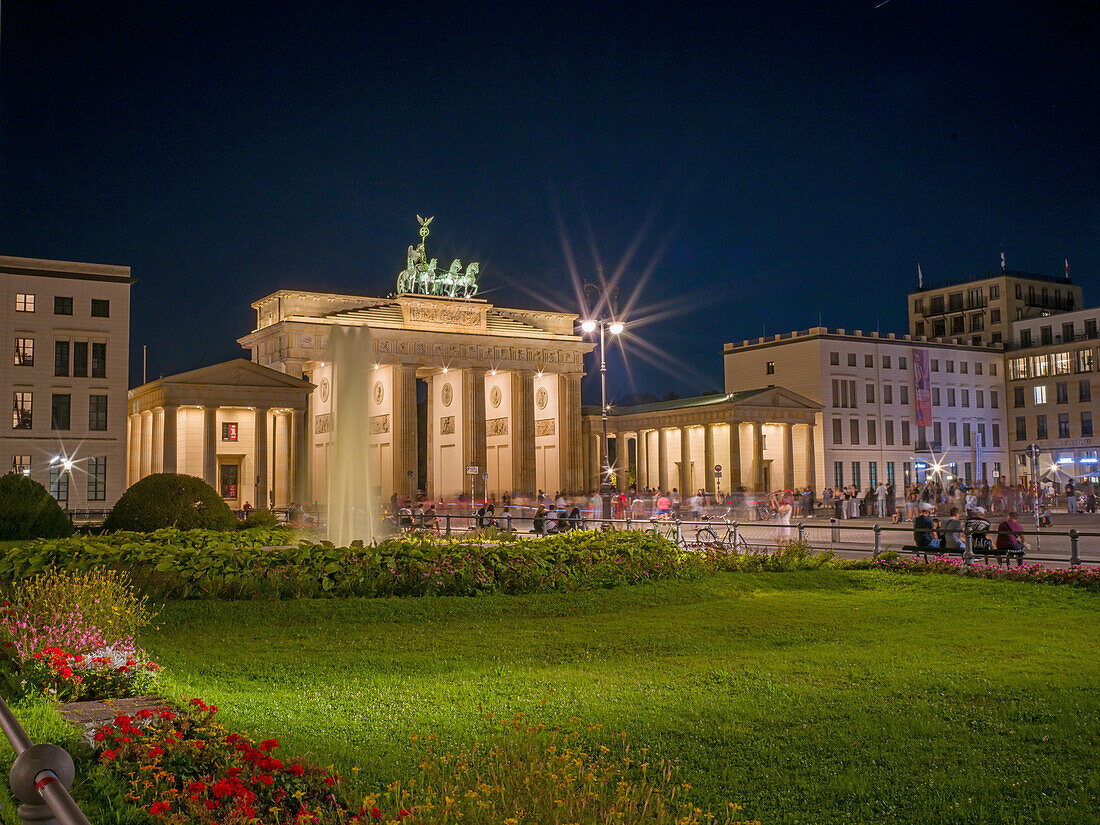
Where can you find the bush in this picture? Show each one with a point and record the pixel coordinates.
(171, 500)
(28, 511)
(264, 519)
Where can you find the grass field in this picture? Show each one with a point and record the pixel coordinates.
(821, 696)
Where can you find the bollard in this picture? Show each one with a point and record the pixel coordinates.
(447, 518)
(878, 541)
(836, 530)
(509, 522)
(801, 533)
(968, 546)
(1074, 558)
(736, 529)
(679, 536)
(628, 527)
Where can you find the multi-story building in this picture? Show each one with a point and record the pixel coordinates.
(1050, 365)
(866, 384)
(69, 326)
(980, 309)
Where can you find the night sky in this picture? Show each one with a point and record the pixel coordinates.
(748, 167)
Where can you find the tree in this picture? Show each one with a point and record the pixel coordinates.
(28, 511)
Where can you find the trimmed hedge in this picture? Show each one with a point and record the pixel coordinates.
(171, 500)
(28, 511)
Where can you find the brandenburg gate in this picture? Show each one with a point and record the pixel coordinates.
(503, 386)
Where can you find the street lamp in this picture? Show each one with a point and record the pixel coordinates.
(615, 328)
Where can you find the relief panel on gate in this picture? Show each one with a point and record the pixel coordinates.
(447, 425)
(496, 426)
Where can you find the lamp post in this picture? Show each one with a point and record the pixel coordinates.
(605, 325)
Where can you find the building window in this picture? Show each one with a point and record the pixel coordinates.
(97, 478)
(868, 361)
(955, 301)
(872, 473)
(229, 431)
(1017, 369)
(1040, 394)
(24, 352)
(950, 366)
(1067, 332)
(60, 409)
(1063, 425)
(952, 434)
(1084, 390)
(870, 393)
(964, 367)
(905, 433)
(855, 474)
(1061, 363)
(1021, 428)
(951, 396)
(99, 360)
(903, 391)
(97, 413)
(1019, 291)
(101, 308)
(59, 485)
(907, 471)
(981, 438)
(994, 316)
(229, 479)
(1039, 365)
(1040, 426)
(838, 429)
(966, 434)
(770, 368)
(22, 410)
(965, 397)
(919, 329)
(851, 359)
(853, 427)
(61, 359)
(993, 400)
(80, 359)
(993, 368)
(872, 432)
(918, 306)
(977, 368)
(62, 306)
(935, 396)
(903, 362)
(887, 394)
(1061, 392)
(996, 435)
(937, 435)
(980, 398)
(936, 305)
(1046, 335)
(886, 362)
(1086, 424)
(24, 302)
(838, 474)
(1090, 325)
(834, 359)
(890, 473)
(935, 365)
(958, 325)
(21, 464)
(977, 322)
(1025, 338)
(888, 427)
(1084, 360)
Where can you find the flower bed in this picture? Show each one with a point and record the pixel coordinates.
(1086, 577)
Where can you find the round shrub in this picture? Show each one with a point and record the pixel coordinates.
(259, 518)
(171, 500)
(28, 511)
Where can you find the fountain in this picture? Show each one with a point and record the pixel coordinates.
(352, 508)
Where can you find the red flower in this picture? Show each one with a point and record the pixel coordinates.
(375, 813)
(265, 779)
(122, 721)
(223, 787)
(330, 780)
(100, 736)
(196, 787)
(268, 744)
(66, 672)
(110, 754)
(144, 713)
(404, 812)
(297, 770)
(155, 752)
(211, 804)
(167, 715)
(158, 808)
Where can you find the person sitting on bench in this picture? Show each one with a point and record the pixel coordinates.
(979, 529)
(951, 532)
(923, 536)
(1010, 538)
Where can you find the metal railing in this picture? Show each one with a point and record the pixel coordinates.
(40, 777)
(833, 534)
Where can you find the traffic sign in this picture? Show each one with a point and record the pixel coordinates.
(717, 468)
(484, 476)
(471, 470)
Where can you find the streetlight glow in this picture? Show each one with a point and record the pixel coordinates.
(588, 326)
(615, 328)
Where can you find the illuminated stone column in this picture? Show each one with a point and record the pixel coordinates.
(523, 432)
(473, 418)
(685, 462)
(788, 456)
(299, 465)
(280, 458)
(146, 443)
(569, 438)
(133, 461)
(595, 459)
(622, 460)
(811, 459)
(757, 456)
(210, 445)
(643, 459)
(170, 438)
(662, 460)
(734, 474)
(429, 482)
(404, 428)
(259, 448)
(708, 458)
(157, 458)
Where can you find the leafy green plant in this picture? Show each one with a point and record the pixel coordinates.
(170, 500)
(28, 511)
(263, 519)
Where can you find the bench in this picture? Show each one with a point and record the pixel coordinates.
(1002, 556)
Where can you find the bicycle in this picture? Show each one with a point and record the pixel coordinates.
(665, 528)
(732, 539)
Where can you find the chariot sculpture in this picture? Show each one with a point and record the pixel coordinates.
(423, 277)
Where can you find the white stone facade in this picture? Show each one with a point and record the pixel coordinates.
(69, 327)
(864, 382)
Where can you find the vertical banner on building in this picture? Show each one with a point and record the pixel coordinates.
(978, 450)
(922, 388)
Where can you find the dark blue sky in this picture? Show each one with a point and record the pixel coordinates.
(771, 163)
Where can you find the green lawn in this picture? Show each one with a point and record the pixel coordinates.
(808, 697)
